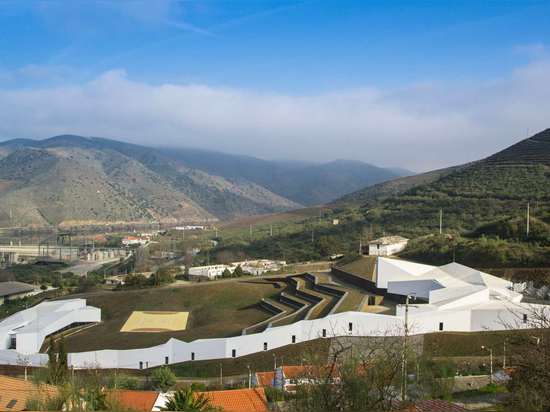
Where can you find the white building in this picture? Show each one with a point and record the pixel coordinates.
(451, 298)
(25, 331)
(260, 266)
(210, 271)
(254, 267)
(189, 227)
(387, 245)
(134, 240)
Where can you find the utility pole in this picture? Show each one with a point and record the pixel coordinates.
(360, 246)
(221, 376)
(490, 360)
(271, 230)
(527, 219)
(404, 352)
(249, 377)
(440, 221)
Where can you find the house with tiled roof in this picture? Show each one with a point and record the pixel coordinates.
(17, 394)
(239, 400)
(134, 400)
(284, 377)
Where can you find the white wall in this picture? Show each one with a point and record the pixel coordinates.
(364, 324)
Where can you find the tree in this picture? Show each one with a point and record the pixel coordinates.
(163, 379)
(58, 369)
(238, 272)
(189, 401)
(357, 377)
(530, 381)
(162, 276)
(226, 273)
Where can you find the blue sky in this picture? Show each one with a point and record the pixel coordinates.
(262, 77)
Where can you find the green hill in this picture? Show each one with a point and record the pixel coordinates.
(475, 194)
(483, 199)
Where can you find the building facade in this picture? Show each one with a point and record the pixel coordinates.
(387, 246)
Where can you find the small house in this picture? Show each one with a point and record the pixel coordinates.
(387, 245)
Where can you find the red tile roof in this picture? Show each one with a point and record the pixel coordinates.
(15, 393)
(265, 378)
(134, 400)
(239, 400)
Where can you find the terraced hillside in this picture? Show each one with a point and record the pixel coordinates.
(305, 297)
(475, 194)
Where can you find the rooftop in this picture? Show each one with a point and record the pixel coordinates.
(239, 400)
(15, 393)
(14, 288)
(134, 400)
(388, 240)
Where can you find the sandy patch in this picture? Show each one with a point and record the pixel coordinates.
(155, 321)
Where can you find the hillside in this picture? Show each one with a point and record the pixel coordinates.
(303, 182)
(469, 195)
(498, 186)
(392, 187)
(482, 200)
(72, 180)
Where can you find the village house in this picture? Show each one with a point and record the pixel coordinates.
(387, 245)
(14, 290)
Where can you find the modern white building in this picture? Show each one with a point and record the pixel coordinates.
(452, 298)
(25, 331)
(387, 245)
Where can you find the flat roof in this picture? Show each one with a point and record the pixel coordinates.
(388, 240)
(14, 288)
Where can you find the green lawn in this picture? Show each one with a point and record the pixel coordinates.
(216, 309)
(300, 353)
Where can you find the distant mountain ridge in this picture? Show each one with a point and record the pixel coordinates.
(72, 180)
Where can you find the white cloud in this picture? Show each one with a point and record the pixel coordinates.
(421, 127)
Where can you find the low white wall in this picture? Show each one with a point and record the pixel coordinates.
(363, 324)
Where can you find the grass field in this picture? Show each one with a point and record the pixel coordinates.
(300, 353)
(216, 309)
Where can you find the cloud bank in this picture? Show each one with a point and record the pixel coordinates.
(423, 126)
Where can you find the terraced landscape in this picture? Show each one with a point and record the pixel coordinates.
(308, 296)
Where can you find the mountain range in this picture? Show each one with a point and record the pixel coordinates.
(73, 180)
